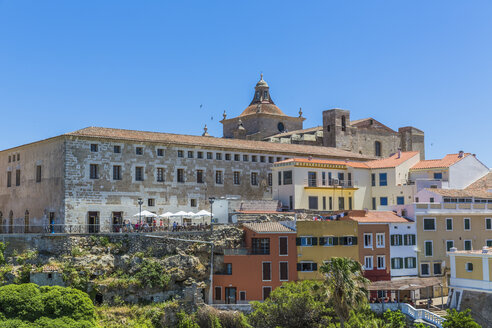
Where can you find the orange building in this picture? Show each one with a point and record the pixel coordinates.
(251, 273)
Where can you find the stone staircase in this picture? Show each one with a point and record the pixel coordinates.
(438, 311)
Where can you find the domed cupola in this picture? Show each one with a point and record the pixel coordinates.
(262, 102)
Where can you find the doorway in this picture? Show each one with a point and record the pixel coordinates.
(230, 294)
(117, 221)
(93, 222)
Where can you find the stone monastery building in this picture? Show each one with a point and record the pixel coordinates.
(96, 175)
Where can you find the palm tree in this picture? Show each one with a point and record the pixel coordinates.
(345, 285)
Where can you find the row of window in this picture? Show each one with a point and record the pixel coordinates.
(381, 262)
(314, 205)
(12, 158)
(261, 246)
(403, 263)
(326, 241)
(467, 246)
(383, 201)
(180, 175)
(429, 224)
(198, 154)
(466, 200)
(313, 179)
(425, 268)
(383, 179)
(18, 176)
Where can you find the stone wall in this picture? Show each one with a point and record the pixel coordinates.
(480, 305)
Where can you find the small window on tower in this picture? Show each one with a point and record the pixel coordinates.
(281, 127)
(265, 94)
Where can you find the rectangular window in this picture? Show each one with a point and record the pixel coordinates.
(400, 200)
(330, 203)
(266, 292)
(139, 173)
(116, 172)
(383, 179)
(284, 271)
(236, 157)
(437, 175)
(180, 153)
(381, 262)
(374, 203)
(428, 248)
(254, 158)
(449, 224)
(283, 246)
(368, 263)
(227, 157)
(348, 240)
(429, 224)
(380, 240)
(410, 262)
(270, 159)
(228, 268)
(312, 179)
(117, 149)
(180, 175)
(368, 240)
(262, 159)
(218, 293)
(373, 179)
(313, 202)
(383, 201)
(467, 223)
(305, 241)
(396, 240)
(199, 154)
(397, 263)
(307, 266)
(218, 156)
(449, 245)
(287, 177)
(38, 173)
(341, 203)
(489, 242)
(193, 202)
(488, 223)
(139, 150)
(410, 240)
(9, 179)
(242, 295)
(254, 178)
(199, 176)
(209, 155)
(291, 202)
(236, 177)
(160, 152)
(94, 174)
(328, 241)
(270, 179)
(350, 203)
(468, 245)
(151, 202)
(10, 159)
(260, 246)
(18, 157)
(437, 269)
(190, 154)
(279, 176)
(94, 148)
(218, 177)
(324, 202)
(160, 174)
(245, 158)
(425, 269)
(17, 177)
(323, 178)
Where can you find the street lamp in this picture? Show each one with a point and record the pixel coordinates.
(140, 202)
(211, 200)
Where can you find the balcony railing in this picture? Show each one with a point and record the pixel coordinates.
(328, 183)
(246, 251)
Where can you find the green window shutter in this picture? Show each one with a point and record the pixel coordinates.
(298, 241)
(354, 240)
(400, 240)
(401, 262)
(322, 240)
(406, 262)
(392, 239)
(299, 267)
(392, 263)
(315, 266)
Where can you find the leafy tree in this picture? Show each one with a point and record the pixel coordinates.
(394, 319)
(455, 319)
(151, 274)
(345, 285)
(295, 304)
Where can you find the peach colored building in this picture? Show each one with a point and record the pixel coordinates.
(251, 273)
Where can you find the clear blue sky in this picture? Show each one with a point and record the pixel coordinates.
(149, 65)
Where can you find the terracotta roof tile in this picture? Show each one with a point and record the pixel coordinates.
(265, 227)
(301, 131)
(392, 161)
(444, 162)
(264, 107)
(376, 217)
(477, 193)
(225, 143)
(484, 183)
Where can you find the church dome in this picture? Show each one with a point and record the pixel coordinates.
(262, 102)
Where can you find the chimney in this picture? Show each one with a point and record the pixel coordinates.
(461, 153)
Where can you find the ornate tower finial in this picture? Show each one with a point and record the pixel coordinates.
(300, 111)
(205, 133)
(261, 76)
(224, 115)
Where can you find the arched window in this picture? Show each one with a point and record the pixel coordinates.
(377, 148)
(265, 94)
(11, 222)
(344, 125)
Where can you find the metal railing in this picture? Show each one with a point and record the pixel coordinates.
(246, 251)
(96, 228)
(320, 182)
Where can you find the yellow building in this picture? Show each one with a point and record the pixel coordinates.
(318, 241)
(470, 271)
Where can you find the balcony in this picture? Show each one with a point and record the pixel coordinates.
(246, 251)
(328, 183)
(455, 207)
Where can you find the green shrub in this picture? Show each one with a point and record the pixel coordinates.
(394, 319)
(186, 321)
(151, 274)
(463, 319)
(3, 246)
